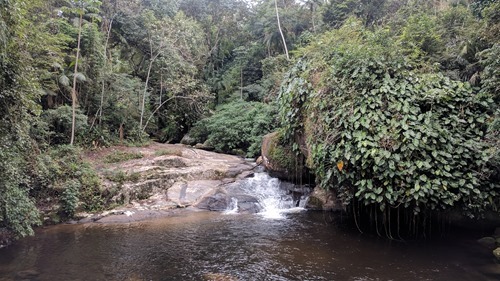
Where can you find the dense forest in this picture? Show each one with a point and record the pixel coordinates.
(393, 104)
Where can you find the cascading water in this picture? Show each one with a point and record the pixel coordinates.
(232, 208)
(275, 198)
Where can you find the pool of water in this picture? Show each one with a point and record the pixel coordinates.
(215, 246)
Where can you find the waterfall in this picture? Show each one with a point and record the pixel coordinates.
(232, 208)
(275, 198)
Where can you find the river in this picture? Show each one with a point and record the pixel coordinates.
(210, 245)
(280, 243)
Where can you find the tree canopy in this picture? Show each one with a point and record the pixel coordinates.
(394, 103)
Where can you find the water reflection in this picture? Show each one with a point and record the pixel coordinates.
(213, 246)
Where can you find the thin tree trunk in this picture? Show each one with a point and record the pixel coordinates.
(73, 91)
(144, 94)
(106, 63)
(120, 130)
(312, 17)
(163, 103)
(153, 57)
(161, 85)
(281, 31)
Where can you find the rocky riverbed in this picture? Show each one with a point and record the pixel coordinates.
(164, 179)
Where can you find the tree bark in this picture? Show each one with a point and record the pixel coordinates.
(153, 57)
(144, 94)
(120, 130)
(73, 91)
(281, 31)
(106, 62)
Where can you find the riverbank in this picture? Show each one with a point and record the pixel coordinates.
(140, 183)
(160, 179)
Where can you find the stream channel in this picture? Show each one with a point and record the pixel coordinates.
(282, 242)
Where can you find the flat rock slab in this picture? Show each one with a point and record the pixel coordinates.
(188, 193)
(134, 216)
(166, 178)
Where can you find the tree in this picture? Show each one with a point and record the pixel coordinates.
(79, 7)
(281, 31)
(18, 92)
(177, 77)
(156, 35)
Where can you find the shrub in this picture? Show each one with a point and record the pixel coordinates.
(61, 174)
(237, 125)
(119, 156)
(69, 198)
(121, 177)
(162, 152)
(55, 126)
(384, 134)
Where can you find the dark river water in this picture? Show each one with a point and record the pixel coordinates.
(214, 246)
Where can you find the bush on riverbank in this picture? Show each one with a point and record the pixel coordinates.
(385, 131)
(61, 175)
(237, 125)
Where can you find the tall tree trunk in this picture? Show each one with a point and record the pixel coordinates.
(143, 102)
(73, 91)
(106, 63)
(313, 11)
(120, 130)
(153, 57)
(281, 31)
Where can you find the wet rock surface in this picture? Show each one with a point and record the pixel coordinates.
(492, 243)
(6, 237)
(221, 200)
(167, 178)
(323, 200)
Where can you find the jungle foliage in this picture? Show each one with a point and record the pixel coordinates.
(401, 94)
(401, 115)
(237, 126)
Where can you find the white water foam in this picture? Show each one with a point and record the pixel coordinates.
(274, 201)
(232, 208)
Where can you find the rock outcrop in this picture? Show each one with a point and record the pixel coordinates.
(324, 200)
(492, 243)
(496, 253)
(220, 200)
(6, 237)
(166, 177)
(188, 140)
(281, 161)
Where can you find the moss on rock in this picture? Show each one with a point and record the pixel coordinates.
(280, 160)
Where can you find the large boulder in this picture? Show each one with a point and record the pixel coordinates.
(247, 204)
(188, 140)
(217, 201)
(496, 253)
(221, 200)
(205, 146)
(487, 242)
(323, 200)
(189, 193)
(281, 161)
